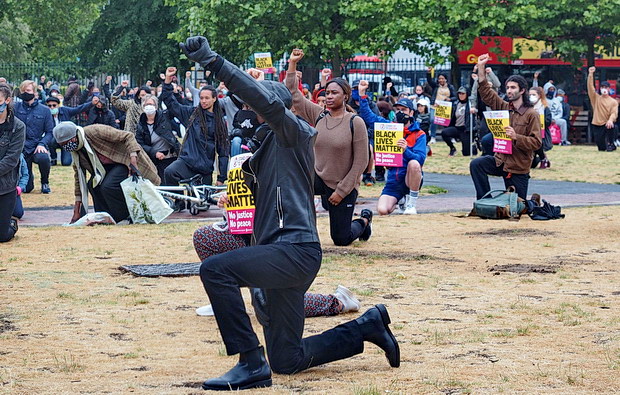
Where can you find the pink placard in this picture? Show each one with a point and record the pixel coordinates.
(502, 146)
(241, 221)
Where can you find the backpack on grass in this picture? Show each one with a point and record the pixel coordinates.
(499, 204)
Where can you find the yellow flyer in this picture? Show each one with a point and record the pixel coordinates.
(443, 112)
(240, 208)
(497, 121)
(541, 114)
(263, 61)
(387, 153)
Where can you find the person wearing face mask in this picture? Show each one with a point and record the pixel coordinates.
(155, 135)
(245, 124)
(540, 105)
(102, 157)
(460, 122)
(403, 183)
(341, 154)
(12, 138)
(605, 113)
(131, 106)
(39, 125)
(285, 255)
(556, 108)
(100, 113)
(60, 114)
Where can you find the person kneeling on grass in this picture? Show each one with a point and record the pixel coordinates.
(106, 153)
(403, 183)
(216, 239)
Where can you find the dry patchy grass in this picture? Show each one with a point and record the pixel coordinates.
(70, 322)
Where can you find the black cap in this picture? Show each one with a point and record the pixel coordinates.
(52, 98)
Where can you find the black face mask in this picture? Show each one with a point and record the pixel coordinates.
(550, 94)
(246, 120)
(257, 140)
(401, 117)
(26, 96)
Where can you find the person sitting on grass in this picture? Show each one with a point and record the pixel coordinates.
(403, 183)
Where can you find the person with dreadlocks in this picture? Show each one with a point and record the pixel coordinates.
(206, 134)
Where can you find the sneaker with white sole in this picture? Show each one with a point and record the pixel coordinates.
(433, 140)
(411, 210)
(348, 300)
(205, 311)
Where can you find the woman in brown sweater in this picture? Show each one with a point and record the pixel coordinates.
(341, 154)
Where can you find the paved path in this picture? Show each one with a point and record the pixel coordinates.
(459, 198)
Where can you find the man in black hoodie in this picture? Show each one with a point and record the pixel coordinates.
(285, 255)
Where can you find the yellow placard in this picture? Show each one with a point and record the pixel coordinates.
(239, 195)
(263, 60)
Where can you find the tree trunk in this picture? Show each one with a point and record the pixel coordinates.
(455, 69)
(336, 63)
(590, 55)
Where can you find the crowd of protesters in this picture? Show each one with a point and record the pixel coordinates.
(193, 128)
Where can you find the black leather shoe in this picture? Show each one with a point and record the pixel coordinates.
(252, 371)
(374, 326)
(368, 230)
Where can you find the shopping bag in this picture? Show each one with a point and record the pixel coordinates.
(145, 204)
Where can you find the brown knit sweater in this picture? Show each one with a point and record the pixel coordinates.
(340, 156)
(605, 108)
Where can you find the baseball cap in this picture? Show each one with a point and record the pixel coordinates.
(405, 103)
(462, 90)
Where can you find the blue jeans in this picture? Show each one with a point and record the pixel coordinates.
(235, 146)
(433, 126)
(65, 156)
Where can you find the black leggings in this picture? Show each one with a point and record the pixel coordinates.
(342, 230)
(7, 204)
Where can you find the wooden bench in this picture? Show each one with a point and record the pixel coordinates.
(579, 125)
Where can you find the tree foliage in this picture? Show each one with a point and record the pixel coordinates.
(577, 28)
(132, 37)
(47, 30)
(329, 30)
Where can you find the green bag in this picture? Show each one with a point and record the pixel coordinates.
(505, 204)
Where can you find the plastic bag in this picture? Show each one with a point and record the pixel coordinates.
(99, 218)
(145, 204)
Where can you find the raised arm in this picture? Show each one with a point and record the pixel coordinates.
(305, 108)
(176, 109)
(265, 102)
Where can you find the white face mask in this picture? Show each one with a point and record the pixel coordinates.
(604, 91)
(150, 110)
(533, 99)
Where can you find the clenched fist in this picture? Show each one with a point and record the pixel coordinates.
(197, 49)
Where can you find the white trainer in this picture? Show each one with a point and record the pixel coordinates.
(411, 210)
(205, 311)
(348, 300)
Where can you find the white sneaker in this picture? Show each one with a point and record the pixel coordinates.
(348, 300)
(433, 140)
(205, 311)
(411, 210)
(453, 141)
(617, 143)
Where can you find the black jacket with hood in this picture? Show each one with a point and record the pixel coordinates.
(162, 128)
(281, 172)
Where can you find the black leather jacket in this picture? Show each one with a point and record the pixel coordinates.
(11, 145)
(281, 172)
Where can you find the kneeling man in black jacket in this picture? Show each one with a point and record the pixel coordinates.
(285, 255)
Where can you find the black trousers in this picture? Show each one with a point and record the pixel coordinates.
(342, 230)
(458, 133)
(44, 162)
(179, 170)
(7, 205)
(602, 136)
(108, 195)
(480, 168)
(284, 271)
(161, 166)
